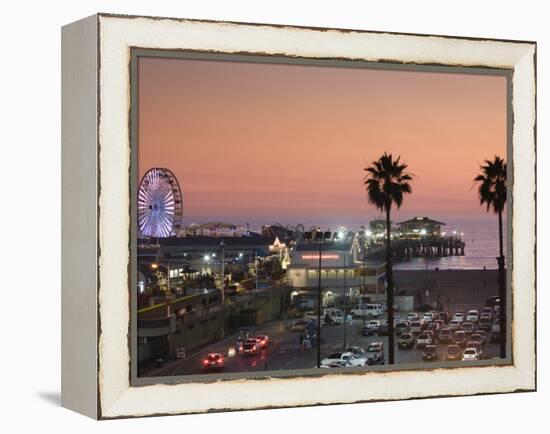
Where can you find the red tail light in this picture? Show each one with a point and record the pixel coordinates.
(205, 362)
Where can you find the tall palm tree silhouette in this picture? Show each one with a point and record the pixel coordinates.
(387, 181)
(492, 192)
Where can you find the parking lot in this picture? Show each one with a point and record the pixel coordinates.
(287, 352)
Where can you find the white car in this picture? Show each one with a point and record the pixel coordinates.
(333, 315)
(428, 317)
(367, 310)
(416, 326)
(412, 316)
(476, 346)
(459, 316)
(346, 357)
(473, 315)
(424, 339)
(373, 324)
(470, 354)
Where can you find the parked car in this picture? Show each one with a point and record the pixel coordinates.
(213, 361)
(406, 340)
(434, 326)
(467, 327)
(402, 327)
(473, 315)
(412, 316)
(477, 347)
(417, 326)
(459, 337)
(458, 316)
(470, 354)
(366, 310)
(428, 317)
(478, 337)
(453, 352)
(373, 324)
(424, 339)
(435, 314)
(333, 315)
(375, 353)
(371, 327)
(346, 357)
(485, 315)
(445, 335)
(454, 325)
(429, 353)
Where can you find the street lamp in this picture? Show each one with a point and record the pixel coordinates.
(256, 267)
(222, 246)
(345, 299)
(318, 237)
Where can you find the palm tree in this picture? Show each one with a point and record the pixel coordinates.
(386, 182)
(492, 192)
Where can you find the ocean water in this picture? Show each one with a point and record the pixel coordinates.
(480, 236)
(481, 250)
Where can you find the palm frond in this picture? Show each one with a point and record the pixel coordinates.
(387, 181)
(492, 184)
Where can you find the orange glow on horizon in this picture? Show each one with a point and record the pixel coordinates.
(290, 142)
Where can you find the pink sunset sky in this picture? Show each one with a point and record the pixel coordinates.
(289, 142)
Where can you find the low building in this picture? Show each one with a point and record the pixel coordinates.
(342, 269)
(420, 226)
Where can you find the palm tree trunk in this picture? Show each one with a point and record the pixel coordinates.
(502, 290)
(389, 290)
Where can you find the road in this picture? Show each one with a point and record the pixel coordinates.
(285, 351)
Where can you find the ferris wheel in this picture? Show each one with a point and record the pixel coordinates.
(160, 204)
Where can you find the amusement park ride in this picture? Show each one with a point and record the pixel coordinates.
(160, 204)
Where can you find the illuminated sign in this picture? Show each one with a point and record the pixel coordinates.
(323, 256)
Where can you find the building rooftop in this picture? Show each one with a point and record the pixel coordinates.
(342, 246)
(422, 220)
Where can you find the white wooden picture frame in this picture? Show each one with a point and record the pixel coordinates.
(96, 253)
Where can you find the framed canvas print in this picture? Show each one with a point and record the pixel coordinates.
(260, 216)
